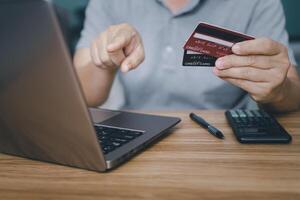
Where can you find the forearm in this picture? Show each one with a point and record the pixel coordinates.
(95, 82)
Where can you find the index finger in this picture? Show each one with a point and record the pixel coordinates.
(260, 46)
(119, 41)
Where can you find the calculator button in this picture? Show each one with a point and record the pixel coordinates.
(249, 130)
(252, 131)
(241, 113)
(249, 113)
(265, 114)
(233, 113)
(257, 113)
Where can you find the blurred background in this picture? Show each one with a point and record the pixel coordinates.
(72, 12)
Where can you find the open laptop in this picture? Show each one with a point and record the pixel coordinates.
(43, 114)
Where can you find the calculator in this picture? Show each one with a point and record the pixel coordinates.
(256, 126)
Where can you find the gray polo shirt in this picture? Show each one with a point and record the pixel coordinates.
(161, 82)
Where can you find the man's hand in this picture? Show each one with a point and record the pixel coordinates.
(258, 66)
(119, 46)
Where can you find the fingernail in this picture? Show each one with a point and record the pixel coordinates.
(220, 63)
(111, 47)
(133, 34)
(215, 71)
(236, 48)
(125, 68)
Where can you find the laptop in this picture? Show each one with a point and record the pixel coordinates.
(43, 113)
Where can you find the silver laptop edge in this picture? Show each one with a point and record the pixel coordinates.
(43, 112)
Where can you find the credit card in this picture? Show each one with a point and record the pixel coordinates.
(191, 58)
(214, 41)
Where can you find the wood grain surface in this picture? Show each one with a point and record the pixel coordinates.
(188, 164)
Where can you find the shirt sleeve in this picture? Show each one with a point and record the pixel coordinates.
(268, 20)
(97, 20)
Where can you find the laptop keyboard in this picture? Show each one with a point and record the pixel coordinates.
(112, 138)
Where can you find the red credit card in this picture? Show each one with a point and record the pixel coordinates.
(214, 41)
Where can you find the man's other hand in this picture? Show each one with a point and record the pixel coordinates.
(258, 66)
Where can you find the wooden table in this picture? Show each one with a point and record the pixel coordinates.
(187, 164)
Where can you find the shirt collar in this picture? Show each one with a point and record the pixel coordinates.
(186, 9)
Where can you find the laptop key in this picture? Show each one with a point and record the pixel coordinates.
(112, 138)
(136, 133)
(119, 140)
(116, 144)
(130, 137)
